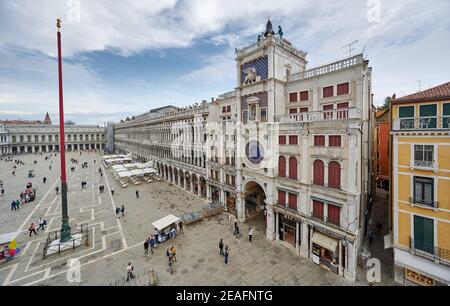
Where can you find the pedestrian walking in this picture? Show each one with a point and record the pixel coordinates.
(221, 247)
(44, 179)
(137, 193)
(169, 255)
(152, 242)
(173, 251)
(118, 212)
(130, 270)
(122, 210)
(13, 205)
(250, 234)
(371, 236)
(181, 227)
(42, 224)
(146, 247)
(226, 254)
(32, 229)
(112, 191)
(57, 189)
(3, 192)
(236, 230)
(50, 167)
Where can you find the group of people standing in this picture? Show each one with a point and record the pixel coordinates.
(120, 210)
(224, 252)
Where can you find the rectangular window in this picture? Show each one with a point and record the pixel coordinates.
(293, 97)
(328, 112)
(423, 156)
(244, 116)
(406, 115)
(304, 110)
(342, 89)
(224, 109)
(334, 141)
(292, 201)
(424, 191)
(318, 209)
(293, 140)
(328, 92)
(229, 108)
(304, 96)
(282, 139)
(424, 234)
(334, 214)
(292, 111)
(263, 115)
(342, 112)
(446, 115)
(281, 198)
(428, 116)
(319, 141)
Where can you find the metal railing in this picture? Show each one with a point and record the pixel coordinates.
(328, 115)
(429, 251)
(424, 164)
(52, 236)
(424, 123)
(424, 203)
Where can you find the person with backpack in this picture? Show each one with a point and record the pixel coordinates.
(42, 223)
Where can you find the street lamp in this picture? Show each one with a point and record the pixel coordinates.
(65, 227)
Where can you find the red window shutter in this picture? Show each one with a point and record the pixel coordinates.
(342, 112)
(292, 201)
(281, 198)
(304, 110)
(328, 91)
(334, 214)
(293, 168)
(318, 209)
(292, 111)
(293, 97)
(334, 175)
(342, 89)
(282, 166)
(334, 141)
(293, 140)
(282, 139)
(319, 141)
(318, 172)
(304, 96)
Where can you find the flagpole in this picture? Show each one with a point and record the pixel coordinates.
(65, 227)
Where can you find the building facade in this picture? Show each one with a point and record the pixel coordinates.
(421, 187)
(4, 140)
(383, 130)
(290, 148)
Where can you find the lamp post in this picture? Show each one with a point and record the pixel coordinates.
(65, 227)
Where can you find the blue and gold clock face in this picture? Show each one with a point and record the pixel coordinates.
(254, 152)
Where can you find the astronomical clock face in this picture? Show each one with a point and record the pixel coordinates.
(254, 71)
(254, 152)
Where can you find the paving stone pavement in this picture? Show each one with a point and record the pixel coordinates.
(116, 241)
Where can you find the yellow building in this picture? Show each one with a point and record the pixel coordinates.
(421, 187)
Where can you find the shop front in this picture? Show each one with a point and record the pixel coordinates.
(287, 229)
(325, 251)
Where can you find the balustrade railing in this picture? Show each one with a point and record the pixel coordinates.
(424, 123)
(429, 251)
(335, 114)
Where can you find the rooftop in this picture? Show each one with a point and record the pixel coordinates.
(441, 92)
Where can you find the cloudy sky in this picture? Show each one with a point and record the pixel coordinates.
(126, 57)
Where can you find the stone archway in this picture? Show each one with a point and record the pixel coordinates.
(181, 176)
(254, 201)
(187, 180)
(195, 188)
(170, 174)
(202, 187)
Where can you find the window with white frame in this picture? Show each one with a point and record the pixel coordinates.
(424, 191)
(423, 156)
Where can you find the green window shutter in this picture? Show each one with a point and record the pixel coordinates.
(406, 112)
(428, 235)
(446, 110)
(418, 230)
(428, 110)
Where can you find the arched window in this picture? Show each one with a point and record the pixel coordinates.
(334, 175)
(282, 166)
(293, 168)
(318, 172)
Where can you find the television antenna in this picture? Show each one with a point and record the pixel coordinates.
(350, 47)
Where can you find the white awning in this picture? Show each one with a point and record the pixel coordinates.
(121, 170)
(325, 241)
(7, 238)
(115, 167)
(149, 170)
(125, 174)
(422, 265)
(165, 222)
(137, 172)
(130, 166)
